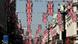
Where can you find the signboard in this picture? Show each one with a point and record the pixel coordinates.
(59, 42)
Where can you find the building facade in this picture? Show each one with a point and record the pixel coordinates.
(72, 27)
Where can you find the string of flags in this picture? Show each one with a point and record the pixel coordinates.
(50, 11)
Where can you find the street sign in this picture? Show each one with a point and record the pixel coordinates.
(5, 38)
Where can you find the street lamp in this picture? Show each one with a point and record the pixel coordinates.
(63, 12)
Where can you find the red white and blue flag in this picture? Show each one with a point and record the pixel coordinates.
(44, 18)
(50, 8)
(59, 20)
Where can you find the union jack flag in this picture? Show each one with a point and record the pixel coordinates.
(50, 8)
(44, 18)
(59, 19)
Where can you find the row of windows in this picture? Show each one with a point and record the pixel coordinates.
(68, 19)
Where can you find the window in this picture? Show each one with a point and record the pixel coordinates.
(77, 32)
(77, 24)
(68, 19)
(77, 8)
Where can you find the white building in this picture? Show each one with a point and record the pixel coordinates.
(75, 8)
(72, 27)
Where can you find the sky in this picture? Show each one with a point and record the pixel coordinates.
(38, 8)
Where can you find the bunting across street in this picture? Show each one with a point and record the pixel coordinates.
(37, 35)
(29, 35)
(29, 20)
(44, 18)
(59, 20)
(45, 36)
(29, 11)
